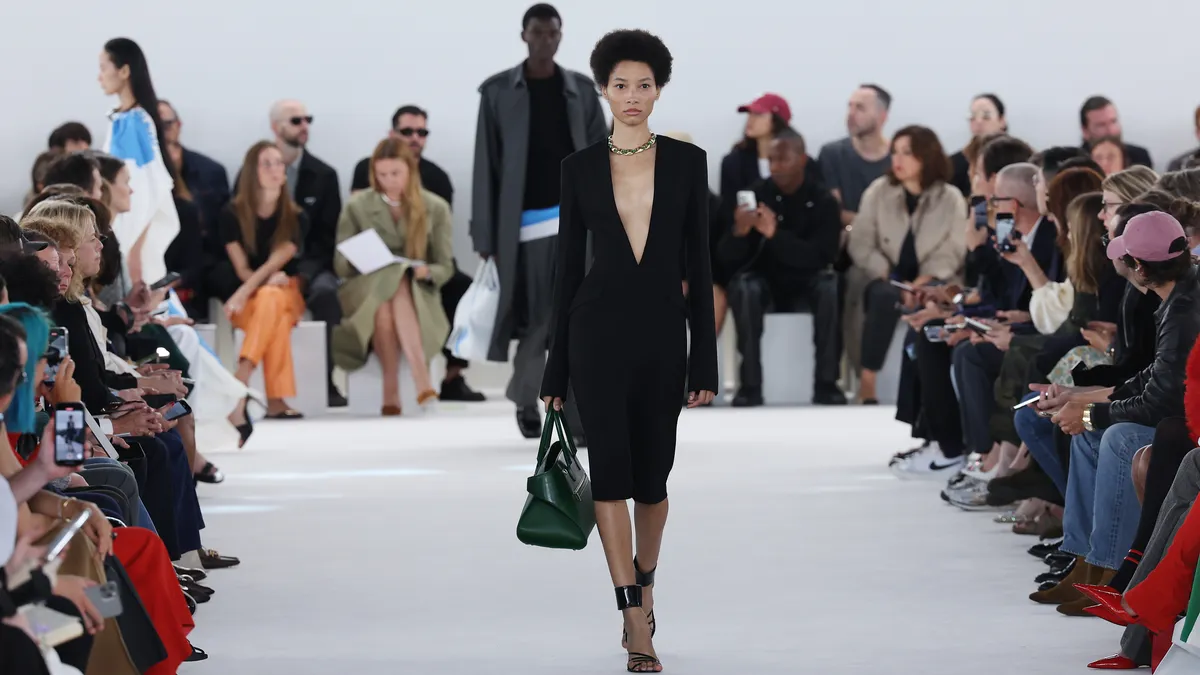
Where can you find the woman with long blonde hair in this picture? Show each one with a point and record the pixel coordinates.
(397, 309)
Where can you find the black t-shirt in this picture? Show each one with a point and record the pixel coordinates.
(908, 267)
(433, 178)
(549, 141)
(229, 228)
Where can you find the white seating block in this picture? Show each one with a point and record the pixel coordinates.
(787, 359)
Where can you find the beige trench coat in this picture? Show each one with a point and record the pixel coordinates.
(361, 295)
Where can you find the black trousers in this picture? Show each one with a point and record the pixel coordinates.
(452, 293)
(752, 295)
(321, 297)
(879, 303)
(939, 406)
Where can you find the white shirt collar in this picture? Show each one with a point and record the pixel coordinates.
(1028, 238)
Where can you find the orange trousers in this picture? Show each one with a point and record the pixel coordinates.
(267, 320)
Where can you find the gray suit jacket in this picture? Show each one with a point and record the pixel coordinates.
(498, 183)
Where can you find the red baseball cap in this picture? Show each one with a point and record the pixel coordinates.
(769, 103)
(1149, 237)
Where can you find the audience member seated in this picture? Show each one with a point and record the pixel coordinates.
(259, 279)
(986, 118)
(410, 124)
(1179, 162)
(70, 137)
(203, 177)
(76, 168)
(851, 164)
(397, 309)
(1109, 152)
(37, 174)
(1101, 516)
(313, 185)
(1098, 119)
(783, 253)
(908, 231)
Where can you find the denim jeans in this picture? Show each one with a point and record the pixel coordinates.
(1037, 433)
(1101, 515)
(975, 370)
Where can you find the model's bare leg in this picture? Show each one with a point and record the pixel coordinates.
(649, 519)
(616, 535)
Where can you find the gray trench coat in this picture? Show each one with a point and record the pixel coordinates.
(498, 184)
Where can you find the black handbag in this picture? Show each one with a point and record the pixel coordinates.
(145, 648)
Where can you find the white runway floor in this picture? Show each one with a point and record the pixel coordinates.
(373, 546)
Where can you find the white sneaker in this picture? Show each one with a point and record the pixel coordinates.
(928, 462)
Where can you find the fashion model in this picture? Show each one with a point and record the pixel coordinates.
(620, 331)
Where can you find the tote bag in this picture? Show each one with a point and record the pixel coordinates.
(471, 337)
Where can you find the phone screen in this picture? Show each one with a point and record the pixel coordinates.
(70, 431)
(55, 351)
(747, 200)
(178, 410)
(1004, 227)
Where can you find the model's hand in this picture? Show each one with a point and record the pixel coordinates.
(699, 398)
(555, 401)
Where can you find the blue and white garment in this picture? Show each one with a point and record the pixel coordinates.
(152, 216)
(539, 224)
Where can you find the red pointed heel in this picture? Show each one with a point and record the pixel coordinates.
(1106, 613)
(1115, 662)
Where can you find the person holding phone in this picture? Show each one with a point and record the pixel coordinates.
(261, 229)
(908, 229)
(782, 246)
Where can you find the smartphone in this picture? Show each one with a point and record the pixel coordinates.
(937, 333)
(59, 544)
(1022, 404)
(70, 432)
(171, 278)
(55, 351)
(978, 326)
(157, 401)
(747, 200)
(180, 409)
(1005, 223)
(901, 285)
(106, 598)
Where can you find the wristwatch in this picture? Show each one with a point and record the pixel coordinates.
(1087, 416)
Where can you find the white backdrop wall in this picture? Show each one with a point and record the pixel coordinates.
(222, 63)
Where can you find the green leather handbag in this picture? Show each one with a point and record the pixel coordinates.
(558, 512)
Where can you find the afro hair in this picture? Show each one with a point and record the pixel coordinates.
(631, 45)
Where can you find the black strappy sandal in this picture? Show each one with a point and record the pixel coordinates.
(643, 579)
(210, 474)
(637, 662)
(246, 428)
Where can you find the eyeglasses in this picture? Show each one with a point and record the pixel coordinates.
(301, 118)
(409, 131)
(996, 200)
(168, 121)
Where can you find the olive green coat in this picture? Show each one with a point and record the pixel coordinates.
(361, 295)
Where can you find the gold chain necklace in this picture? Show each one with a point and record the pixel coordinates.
(632, 151)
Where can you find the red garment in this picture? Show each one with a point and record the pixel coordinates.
(1164, 594)
(145, 559)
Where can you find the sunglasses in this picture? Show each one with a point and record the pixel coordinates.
(409, 131)
(298, 119)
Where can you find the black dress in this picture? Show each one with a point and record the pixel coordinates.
(620, 331)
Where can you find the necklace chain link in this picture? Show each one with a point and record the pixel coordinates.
(632, 151)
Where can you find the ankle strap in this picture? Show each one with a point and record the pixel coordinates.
(628, 596)
(643, 578)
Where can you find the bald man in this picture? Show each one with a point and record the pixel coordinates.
(314, 186)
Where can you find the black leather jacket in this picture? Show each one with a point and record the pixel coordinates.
(1157, 391)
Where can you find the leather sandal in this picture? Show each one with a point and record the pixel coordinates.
(289, 414)
(637, 662)
(644, 579)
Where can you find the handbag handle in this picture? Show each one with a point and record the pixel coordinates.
(556, 420)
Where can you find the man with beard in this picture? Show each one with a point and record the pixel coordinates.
(314, 186)
(530, 118)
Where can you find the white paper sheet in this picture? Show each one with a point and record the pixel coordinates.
(367, 252)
